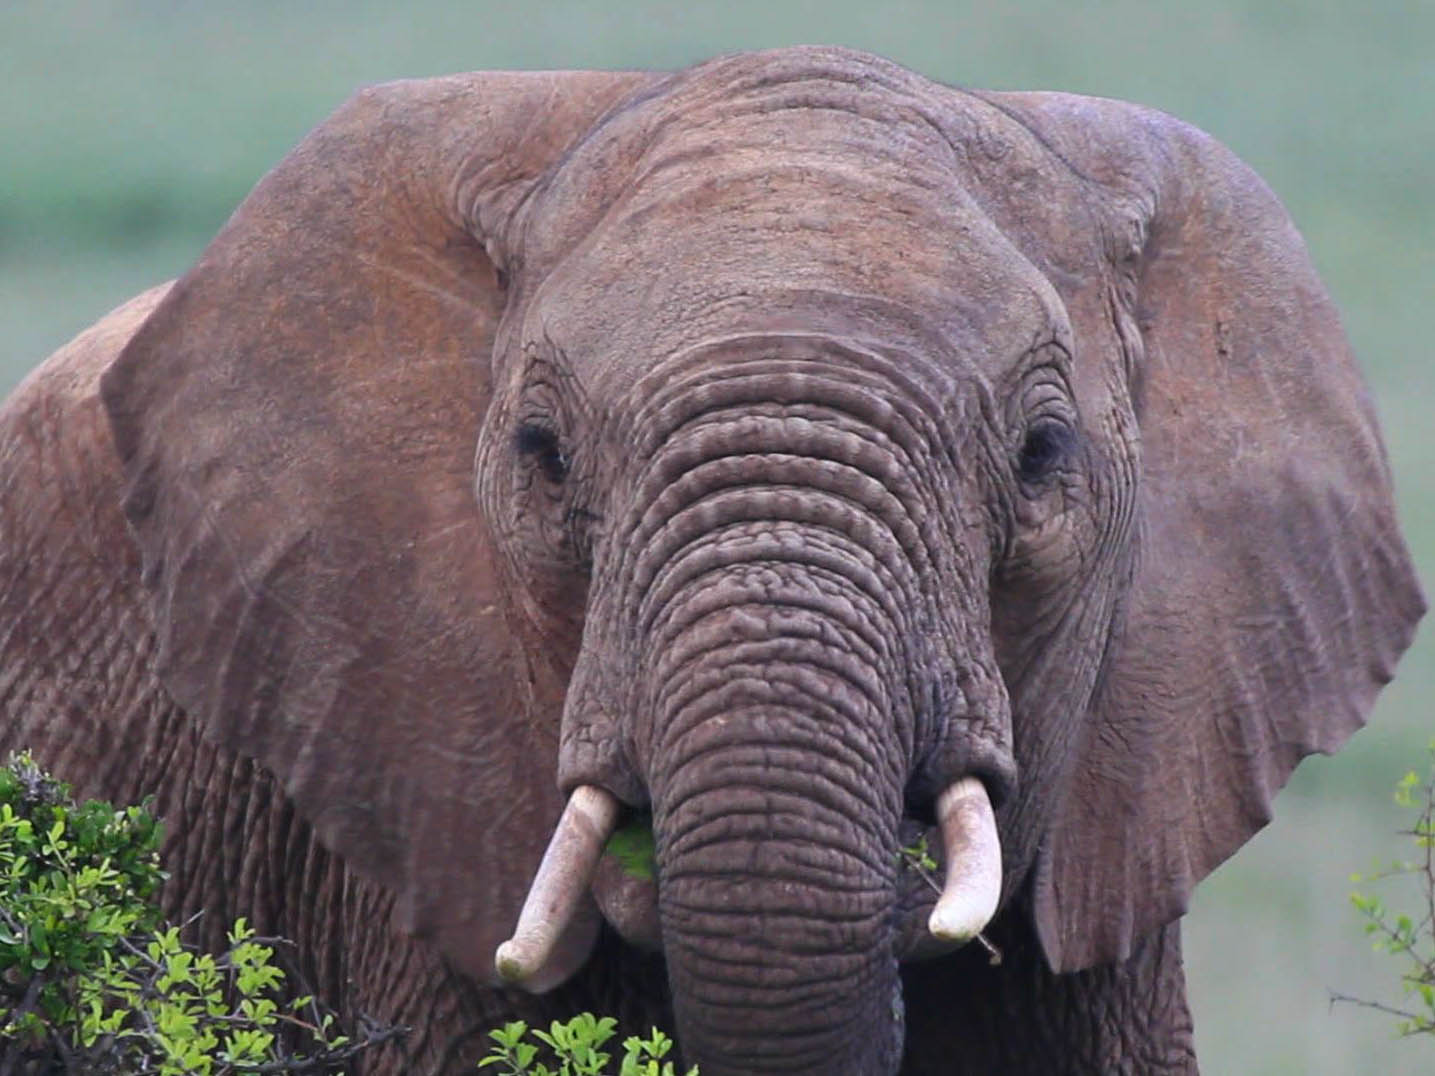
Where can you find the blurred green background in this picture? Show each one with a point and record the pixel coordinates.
(128, 131)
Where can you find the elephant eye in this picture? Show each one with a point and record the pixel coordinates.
(540, 444)
(1047, 444)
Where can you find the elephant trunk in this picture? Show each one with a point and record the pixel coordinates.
(778, 757)
(776, 847)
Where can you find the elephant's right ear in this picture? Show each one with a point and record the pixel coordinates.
(297, 424)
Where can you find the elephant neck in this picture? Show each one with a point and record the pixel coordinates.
(969, 1017)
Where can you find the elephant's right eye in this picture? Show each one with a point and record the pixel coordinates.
(540, 445)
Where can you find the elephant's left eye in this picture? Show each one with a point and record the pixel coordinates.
(1046, 446)
(540, 444)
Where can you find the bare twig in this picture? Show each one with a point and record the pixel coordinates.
(913, 858)
(1337, 997)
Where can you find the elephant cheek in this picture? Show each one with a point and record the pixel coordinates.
(628, 899)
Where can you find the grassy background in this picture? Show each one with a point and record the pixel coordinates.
(128, 131)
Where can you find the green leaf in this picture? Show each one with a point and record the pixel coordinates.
(633, 847)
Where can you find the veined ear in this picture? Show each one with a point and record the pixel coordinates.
(1272, 590)
(297, 424)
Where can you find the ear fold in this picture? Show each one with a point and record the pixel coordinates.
(1272, 592)
(297, 423)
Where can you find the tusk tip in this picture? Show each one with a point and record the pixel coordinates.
(510, 963)
(955, 925)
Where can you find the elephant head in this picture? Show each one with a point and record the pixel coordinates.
(791, 447)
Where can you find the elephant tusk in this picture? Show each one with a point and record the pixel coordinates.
(974, 862)
(562, 879)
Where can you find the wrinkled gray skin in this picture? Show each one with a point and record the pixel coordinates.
(839, 435)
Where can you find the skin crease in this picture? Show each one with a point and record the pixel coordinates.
(839, 435)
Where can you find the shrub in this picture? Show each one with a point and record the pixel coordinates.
(93, 981)
(1410, 939)
(576, 1048)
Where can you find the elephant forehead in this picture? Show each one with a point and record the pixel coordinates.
(634, 295)
(790, 191)
(781, 261)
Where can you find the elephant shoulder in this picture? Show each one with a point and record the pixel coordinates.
(70, 377)
(72, 619)
(57, 463)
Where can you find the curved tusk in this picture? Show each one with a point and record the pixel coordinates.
(974, 862)
(562, 879)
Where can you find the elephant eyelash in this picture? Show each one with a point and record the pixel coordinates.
(540, 444)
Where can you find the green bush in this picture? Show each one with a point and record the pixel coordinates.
(1410, 939)
(576, 1049)
(91, 979)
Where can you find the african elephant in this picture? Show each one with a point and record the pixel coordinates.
(794, 450)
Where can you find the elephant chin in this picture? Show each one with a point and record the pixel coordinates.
(938, 911)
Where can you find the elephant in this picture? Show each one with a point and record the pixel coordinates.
(790, 454)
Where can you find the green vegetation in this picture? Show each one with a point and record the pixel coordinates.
(632, 846)
(576, 1048)
(1409, 939)
(917, 857)
(93, 981)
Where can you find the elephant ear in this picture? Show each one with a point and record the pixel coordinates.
(297, 424)
(1272, 593)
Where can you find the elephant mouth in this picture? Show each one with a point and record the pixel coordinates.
(598, 849)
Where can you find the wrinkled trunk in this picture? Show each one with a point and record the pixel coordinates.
(808, 984)
(776, 797)
(776, 848)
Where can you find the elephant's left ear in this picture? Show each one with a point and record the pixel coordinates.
(1272, 591)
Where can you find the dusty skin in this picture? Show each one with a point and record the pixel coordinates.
(773, 446)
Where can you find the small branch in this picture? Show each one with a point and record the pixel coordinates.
(1337, 997)
(330, 1059)
(994, 955)
(27, 1005)
(913, 859)
(1412, 941)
